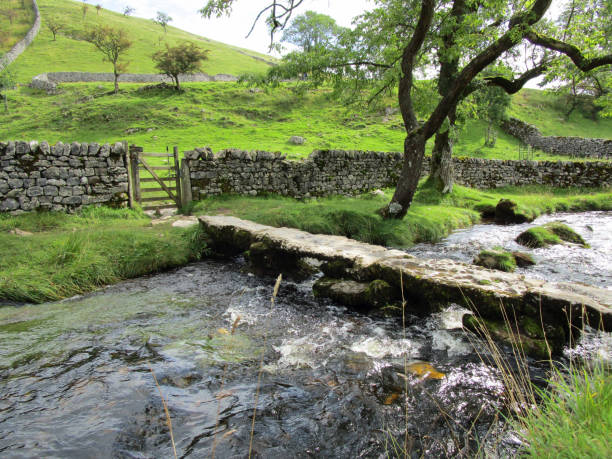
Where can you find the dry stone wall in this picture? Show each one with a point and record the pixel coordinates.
(21, 46)
(49, 81)
(327, 172)
(62, 177)
(566, 146)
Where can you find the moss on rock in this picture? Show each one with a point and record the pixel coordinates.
(565, 233)
(549, 234)
(496, 259)
(535, 347)
(380, 293)
(537, 237)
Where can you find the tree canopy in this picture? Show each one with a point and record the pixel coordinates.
(112, 43)
(163, 19)
(312, 30)
(181, 59)
(453, 41)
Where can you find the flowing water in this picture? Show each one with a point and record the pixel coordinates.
(565, 262)
(76, 377)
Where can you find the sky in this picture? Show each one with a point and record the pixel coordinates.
(233, 29)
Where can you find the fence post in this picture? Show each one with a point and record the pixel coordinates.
(177, 172)
(134, 157)
(128, 167)
(186, 195)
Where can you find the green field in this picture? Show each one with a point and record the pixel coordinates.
(229, 115)
(11, 33)
(223, 115)
(71, 53)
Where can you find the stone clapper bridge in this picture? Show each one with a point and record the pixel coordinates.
(368, 276)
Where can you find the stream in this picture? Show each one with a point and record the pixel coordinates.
(77, 377)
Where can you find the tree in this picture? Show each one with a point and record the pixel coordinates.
(54, 25)
(587, 23)
(112, 43)
(163, 20)
(98, 8)
(311, 30)
(185, 58)
(491, 105)
(128, 11)
(7, 81)
(396, 40)
(84, 9)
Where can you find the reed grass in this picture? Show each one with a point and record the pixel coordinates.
(167, 413)
(571, 417)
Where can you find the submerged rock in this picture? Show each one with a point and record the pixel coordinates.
(523, 260)
(346, 292)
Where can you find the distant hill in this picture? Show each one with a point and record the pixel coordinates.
(71, 53)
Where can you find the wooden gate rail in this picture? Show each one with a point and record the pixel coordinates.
(170, 185)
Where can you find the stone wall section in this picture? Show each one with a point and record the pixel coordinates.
(566, 146)
(327, 172)
(62, 177)
(21, 46)
(49, 81)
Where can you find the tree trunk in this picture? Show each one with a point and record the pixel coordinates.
(116, 83)
(441, 174)
(178, 84)
(414, 151)
(4, 96)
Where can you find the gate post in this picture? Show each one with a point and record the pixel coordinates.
(126, 164)
(186, 195)
(134, 159)
(177, 172)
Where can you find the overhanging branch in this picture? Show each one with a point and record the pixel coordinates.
(570, 51)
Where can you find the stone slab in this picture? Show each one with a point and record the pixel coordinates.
(484, 288)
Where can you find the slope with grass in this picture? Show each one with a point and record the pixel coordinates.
(226, 115)
(68, 255)
(71, 53)
(13, 31)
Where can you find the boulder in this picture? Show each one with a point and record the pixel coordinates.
(297, 140)
(550, 234)
(506, 213)
(496, 259)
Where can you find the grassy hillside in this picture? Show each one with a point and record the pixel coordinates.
(11, 33)
(224, 115)
(218, 114)
(71, 53)
(546, 110)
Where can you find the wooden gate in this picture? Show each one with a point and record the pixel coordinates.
(162, 172)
